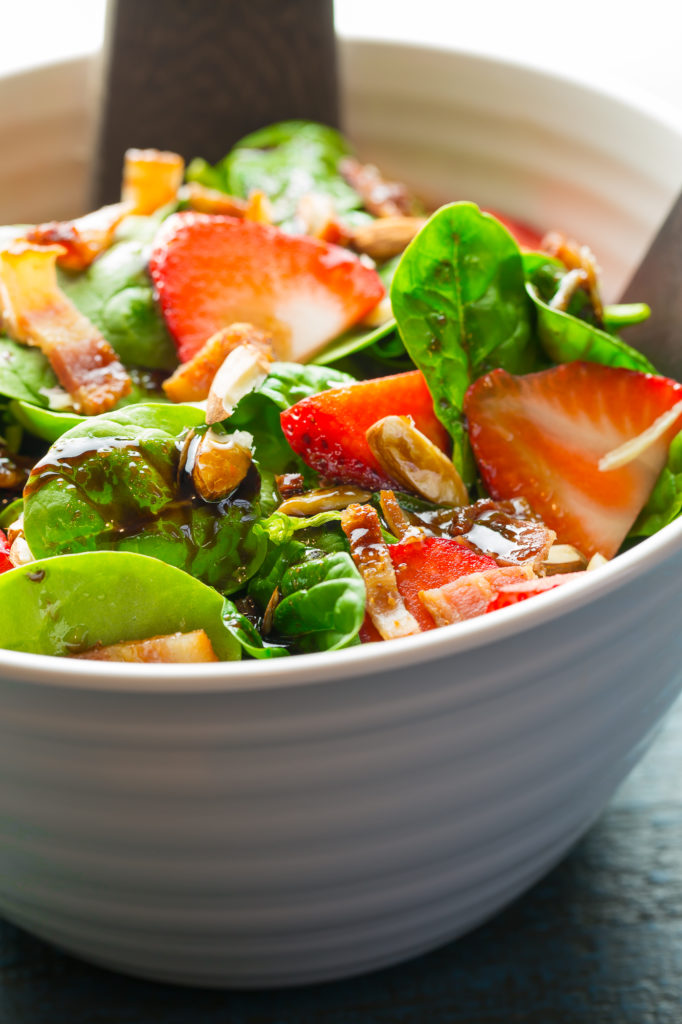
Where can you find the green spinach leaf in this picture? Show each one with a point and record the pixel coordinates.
(665, 501)
(286, 161)
(458, 297)
(25, 373)
(112, 483)
(68, 604)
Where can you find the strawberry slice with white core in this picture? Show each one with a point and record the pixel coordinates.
(544, 436)
(212, 271)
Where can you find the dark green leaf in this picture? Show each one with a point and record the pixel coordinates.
(11, 512)
(69, 604)
(665, 501)
(25, 373)
(247, 636)
(322, 603)
(458, 296)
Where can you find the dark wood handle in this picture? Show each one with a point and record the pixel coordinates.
(194, 76)
(657, 281)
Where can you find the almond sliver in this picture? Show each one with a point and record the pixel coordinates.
(636, 446)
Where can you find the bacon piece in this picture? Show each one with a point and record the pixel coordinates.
(290, 485)
(258, 208)
(210, 200)
(469, 596)
(175, 647)
(192, 381)
(370, 553)
(151, 179)
(382, 198)
(397, 520)
(36, 312)
(82, 239)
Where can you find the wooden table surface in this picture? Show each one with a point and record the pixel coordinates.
(599, 941)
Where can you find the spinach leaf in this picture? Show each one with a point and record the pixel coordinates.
(259, 411)
(25, 373)
(458, 297)
(111, 483)
(68, 604)
(322, 603)
(354, 340)
(247, 636)
(11, 512)
(566, 338)
(624, 314)
(286, 161)
(116, 294)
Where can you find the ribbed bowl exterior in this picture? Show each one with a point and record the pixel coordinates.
(311, 831)
(262, 825)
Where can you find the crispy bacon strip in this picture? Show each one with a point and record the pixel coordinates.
(151, 178)
(470, 595)
(176, 647)
(258, 208)
(385, 606)
(397, 520)
(192, 381)
(382, 198)
(36, 312)
(82, 239)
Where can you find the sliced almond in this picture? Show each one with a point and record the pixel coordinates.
(243, 370)
(191, 647)
(596, 562)
(19, 551)
(36, 312)
(323, 499)
(151, 179)
(210, 200)
(637, 446)
(369, 551)
(386, 237)
(220, 463)
(415, 462)
(191, 382)
(562, 558)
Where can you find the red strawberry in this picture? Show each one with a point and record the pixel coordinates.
(515, 592)
(5, 563)
(424, 564)
(329, 430)
(526, 237)
(213, 271)
(542, 436)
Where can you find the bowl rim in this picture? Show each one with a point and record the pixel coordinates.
(240, 677)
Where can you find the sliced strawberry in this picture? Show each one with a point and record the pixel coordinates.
(526, 236)
(212, 271)
(329, 430)
(5, 563)
(543, 435)
(423, 565)
(515, 592)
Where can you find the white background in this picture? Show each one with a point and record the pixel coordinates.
(631, 47)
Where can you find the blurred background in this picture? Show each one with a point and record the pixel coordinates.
(631, 47)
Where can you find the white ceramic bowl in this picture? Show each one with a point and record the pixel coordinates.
(260, 824)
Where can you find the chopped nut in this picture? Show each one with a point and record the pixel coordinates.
(596, 562)
(382, 198)
(290, 484)
(413, 461)
(385, 605)
(19, 551)
(175, 648)
(469, 596)
(259, 208)
(562, 558)
(83, 239)
(221, 461)
(323, 499)
(386, 237)
(397, 519)
(210, 200)
(151, 178)
(243, 370)
(191, 382)
(36, 312)
(379, 315)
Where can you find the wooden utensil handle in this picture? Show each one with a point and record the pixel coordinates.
(194, 76)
